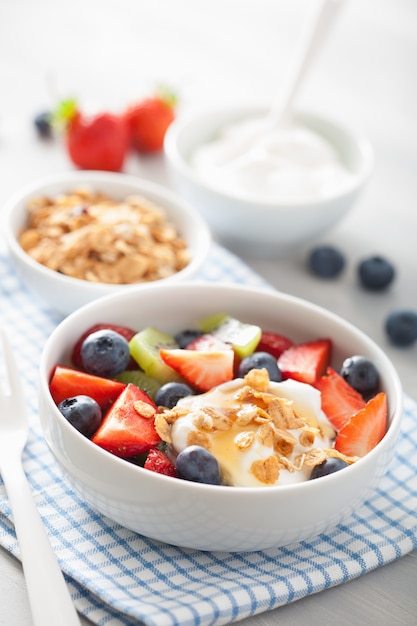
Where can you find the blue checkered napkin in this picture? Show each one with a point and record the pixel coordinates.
(120, 578)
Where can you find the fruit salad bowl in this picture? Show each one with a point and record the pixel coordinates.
(188, 512)
(237, 209)
(93, 260)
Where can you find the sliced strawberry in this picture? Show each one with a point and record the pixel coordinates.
(157, 461)
(125, 331)
(128, 427)
(339, 400)
(208, 343)
(67, 382)
(306, 362)
(202, 369)
(273, 343)
(365, 429)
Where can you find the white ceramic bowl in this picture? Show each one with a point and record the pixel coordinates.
(202, 516)
(64, 294)
(263, 228)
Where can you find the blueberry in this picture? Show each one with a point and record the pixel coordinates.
(105, 353)
(259, 360)
(376, 273)
(83, 413)
(169, 394)
(185, 337)
(401, 327)
(329, 466)
(43, 124)
(361, 374)
(195, 463)
(326, 261)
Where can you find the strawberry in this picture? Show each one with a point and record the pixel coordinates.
(364, 429)
(148, 121)
(202, 369)
(208, 343)
(125, 331)
(157, 461)
(125, 431)
(273, 343)
(96, 142)
(67, 382)
(306, 362)
(339, 400)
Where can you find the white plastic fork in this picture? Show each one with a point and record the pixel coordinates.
(49, 597)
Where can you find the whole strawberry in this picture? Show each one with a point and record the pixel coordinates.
(149, 120)
(95, 142)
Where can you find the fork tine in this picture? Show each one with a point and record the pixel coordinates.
(11, 371)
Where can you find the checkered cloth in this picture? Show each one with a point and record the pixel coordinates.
(118, 578)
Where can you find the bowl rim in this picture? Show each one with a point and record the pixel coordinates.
(95, 177)
(123, 465)
(176, 158)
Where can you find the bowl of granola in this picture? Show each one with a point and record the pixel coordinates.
(81, 235)
(194, 437)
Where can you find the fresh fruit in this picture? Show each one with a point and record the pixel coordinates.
(376, 273)
(201, 369)
(260, 360)
(401, 327)
(244, 338)
(329, 466)
(166, 373)
(43, 124)
(94, 142)
(365, 429)
(195, 463)
(105, 353)
(128, 427)
(306, 362)
(145, 348)
(326, 261)
(339, 400)
(157, 461)
(67, 382)
(208, 342)
(169, 394)
(273, 343)
(125, 331)
(361, 374)
(148, 121)
(83, 413)
(148, 384)
(185, 337)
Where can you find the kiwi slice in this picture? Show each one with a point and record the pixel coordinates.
(145, 347)
(243, 337)
(148, 384)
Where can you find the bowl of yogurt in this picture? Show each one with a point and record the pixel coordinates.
(252, 507)
(267, 191)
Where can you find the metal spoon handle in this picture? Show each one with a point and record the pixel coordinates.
(316, 29)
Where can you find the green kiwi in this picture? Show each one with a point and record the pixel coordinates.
(243, 337)
(148, 384)
(145, 347)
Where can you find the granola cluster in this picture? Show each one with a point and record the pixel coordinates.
(88, 235)
(256, 414)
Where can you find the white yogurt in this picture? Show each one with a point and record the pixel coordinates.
(292, 164)
(236, 463)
